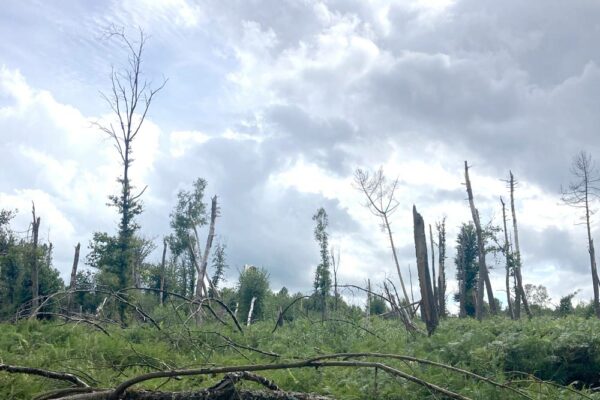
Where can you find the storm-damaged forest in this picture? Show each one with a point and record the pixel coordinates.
(179, 316)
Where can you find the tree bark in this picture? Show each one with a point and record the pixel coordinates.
(428, 308)
(162, 272)
(250, 311)
(35, 285)
(73, 282)
(433, 279)
(483, 277)
(441, 227)
(505, 250)
(462, 295)
(522, 296)
(200, 285)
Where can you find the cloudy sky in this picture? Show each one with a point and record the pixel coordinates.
(276, 103)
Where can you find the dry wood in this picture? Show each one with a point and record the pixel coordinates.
(483, 277)
(162, 272)
(428, 302)
(518, 261)
(61, 376)
(35, 285)
(73, 282)
(506, 251)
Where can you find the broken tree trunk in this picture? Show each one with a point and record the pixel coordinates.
(35, 285)
(483, 277)
(433, 280)
(441, 228)
(505, 250)
(200, 285)
(462, 295)
(522, 296)
(249, 321)
(428, 308)
(162, 272)
(73, 282)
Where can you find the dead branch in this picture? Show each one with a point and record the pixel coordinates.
(62, 376)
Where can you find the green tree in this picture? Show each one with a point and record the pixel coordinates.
(253, 283)
(467, 267)
(322, 283)
(219, 264)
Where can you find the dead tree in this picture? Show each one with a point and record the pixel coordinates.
(162, 272)
(507, 256)
(579, 194)
(428, 302)
(381, 201)
(335, 263)
(73, 282)
(129, 99)
(441, 287)
(483, 271)
(35, 273)
(462, 289)
(433, 280)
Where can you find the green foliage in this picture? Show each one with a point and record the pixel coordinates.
(466, 265)
(189, 214)
(219, 264)
(322, 283)
(253, 282)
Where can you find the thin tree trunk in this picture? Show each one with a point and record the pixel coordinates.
(433, 279)
(209, 241)
(389, 231)
(522, 296)
(35, 285)
(412, 295)
(483, 271)
(249, 321)
(428, 308)
(73, 282)
(441, 227)
(368, 310)
(162, 273)
(592, 252)
(505, 250)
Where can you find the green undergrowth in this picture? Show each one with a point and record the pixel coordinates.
(565, 351)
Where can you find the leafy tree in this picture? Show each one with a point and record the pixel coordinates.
(322, 282)
(219, 264)
(565, 306)
(253, 282)
(466, 268)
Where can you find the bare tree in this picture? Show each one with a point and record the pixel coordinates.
(517, 256)
(433, 280)
(335, 263)
(441, 229)
(162, 272)
(483, 271)
(508, 258)
(129, 99)
(381, 201)
(579, 194)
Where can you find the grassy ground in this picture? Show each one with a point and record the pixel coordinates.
(565, 351)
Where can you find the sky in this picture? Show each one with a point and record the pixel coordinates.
(277, 102)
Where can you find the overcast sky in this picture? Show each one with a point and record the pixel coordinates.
(276, 103)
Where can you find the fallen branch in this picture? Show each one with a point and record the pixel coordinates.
(62, 376)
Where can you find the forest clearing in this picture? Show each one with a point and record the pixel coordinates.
(313, 199)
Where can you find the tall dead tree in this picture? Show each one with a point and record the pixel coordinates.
(441, 287)
(518, 262)
(73, 281)
(462, 289)
(381, 201)
(508, 258)
(162, 272)
(335, 263)
(35, 268)
(201, 269)
(428, 302)
(129, 99)
(483, 278)
(579, 194)
(433, 280)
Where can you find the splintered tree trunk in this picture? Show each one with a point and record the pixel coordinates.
(433, 280)
(505, 250)
(249, 321)
(73, 282)
(391, 237)
(483, 271)
(428, 308)
(201, 286)
(35, 285)
(522, 296)
(441, 227)
(162, 272)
